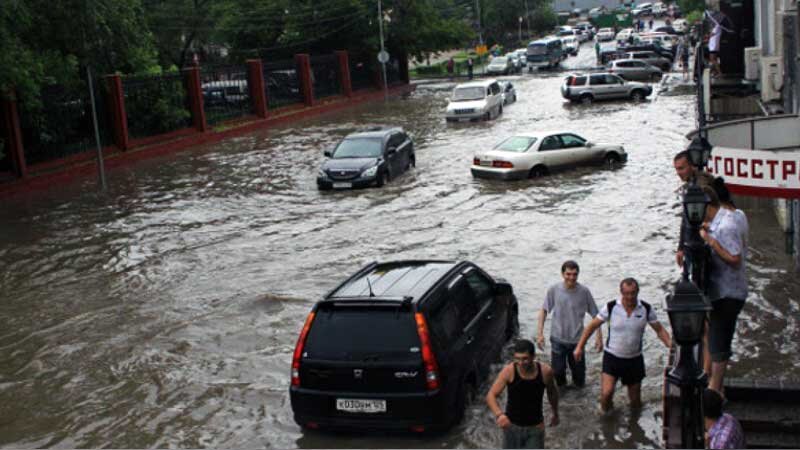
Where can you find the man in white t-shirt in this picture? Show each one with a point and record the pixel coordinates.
(623, 358)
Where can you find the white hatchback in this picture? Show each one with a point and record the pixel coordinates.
(537, 154)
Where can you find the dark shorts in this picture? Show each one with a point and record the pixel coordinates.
(713, 53)
(722, 326)
(516, 436)
(628, 370)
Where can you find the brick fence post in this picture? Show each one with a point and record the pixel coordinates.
(116, 106)
(303, 62)
(13, 132)
(345, 83)
(195, 92)
(255, 82)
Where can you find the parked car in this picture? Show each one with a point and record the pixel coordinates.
(521, 54)
(400, 346)
(654, 46)
(602, 86)
(680, 25)
(509, 92)
(225, 92)
(475, 101)
(570, 45)
(500, 65)
(651, 58)
(666, 29)
(546, 52)
(658, 9)
(367, 158)
(642, 9)
(605, 34)
(587, 29)
(623, 34)
(634, 69)
(536, 154)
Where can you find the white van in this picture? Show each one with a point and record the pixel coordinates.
(475, 101)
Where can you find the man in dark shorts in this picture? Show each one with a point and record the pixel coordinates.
(527, 380)
(622, 358)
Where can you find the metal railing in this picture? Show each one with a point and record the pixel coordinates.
(61, 124)
(226, 94)
(156, 104)
(361, 72)
(325, 76)
(282, 84)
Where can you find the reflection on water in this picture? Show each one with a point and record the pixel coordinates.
(164, 313)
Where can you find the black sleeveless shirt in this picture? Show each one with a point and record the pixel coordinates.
(524, 405)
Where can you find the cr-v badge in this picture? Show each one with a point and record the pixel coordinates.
(405, 374)
(358, 373)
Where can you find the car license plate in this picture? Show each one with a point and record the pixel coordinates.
(463, 119)
(486, 163)
(360, 405)
(342, 185)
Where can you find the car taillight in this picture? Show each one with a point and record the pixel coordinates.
(428, 358)
(298, 350)
(476, 162)
(502, 164)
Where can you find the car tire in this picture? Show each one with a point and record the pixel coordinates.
(611, 160)
(412, 161)
(537, 171)
(637, 95)
(586, 99)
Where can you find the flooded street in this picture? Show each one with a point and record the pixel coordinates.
(164, 313)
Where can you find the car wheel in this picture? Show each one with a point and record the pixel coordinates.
(611, 160)
(381, 180)
(537, 172)
(586, 99)
(412, 162)
(637, 95)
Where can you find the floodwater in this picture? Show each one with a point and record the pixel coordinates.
(164, 312)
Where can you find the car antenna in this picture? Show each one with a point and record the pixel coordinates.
(371, 294)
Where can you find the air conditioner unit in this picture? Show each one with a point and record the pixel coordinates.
(788, 5)
(752, 62)
(771, 78)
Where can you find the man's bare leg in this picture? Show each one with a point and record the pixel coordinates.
(635, 395)
(607, 383)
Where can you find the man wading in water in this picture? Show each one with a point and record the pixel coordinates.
(523, 420)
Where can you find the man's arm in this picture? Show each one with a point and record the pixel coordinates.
(540, 333)
(598, 345)
(587, 333)
(552, 391)
(491, 397)
(662, 333)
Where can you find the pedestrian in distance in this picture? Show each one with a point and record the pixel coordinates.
(527, 380)
(684, 55)
(451, 64)
(727, 283)
(568, 302)
(687, 172)
(650, 23)
(722, 429)
(622, 358)
(597, 50)
(469, 67)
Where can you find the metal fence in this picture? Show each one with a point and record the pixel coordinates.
(325, 76)
(156, 104)
(282, 84)
(61, 124)
(226, 94)
(361, 72)
(393, 71)
(5, 155)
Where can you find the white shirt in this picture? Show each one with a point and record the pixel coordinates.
(626, 332)
(726, 281)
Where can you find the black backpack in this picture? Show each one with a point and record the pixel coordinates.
(610, 306)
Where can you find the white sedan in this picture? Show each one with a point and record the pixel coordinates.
(537, 154)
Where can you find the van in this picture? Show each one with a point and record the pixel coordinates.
(475, 101)
(546, 52)
(400, 346)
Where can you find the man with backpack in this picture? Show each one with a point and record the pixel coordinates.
(622, 358)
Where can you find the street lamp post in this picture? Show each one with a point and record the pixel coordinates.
(383, 52)
(519, 35)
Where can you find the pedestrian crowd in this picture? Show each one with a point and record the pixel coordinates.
(626, 319)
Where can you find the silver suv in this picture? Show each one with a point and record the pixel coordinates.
(602, 86)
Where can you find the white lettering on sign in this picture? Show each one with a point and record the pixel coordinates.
(757, 172)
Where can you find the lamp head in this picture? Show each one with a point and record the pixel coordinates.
(687, 309)
(699, 151)
(695, 202)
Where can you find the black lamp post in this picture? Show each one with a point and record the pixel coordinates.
(687, 309)
(696, 252)
(699, 151)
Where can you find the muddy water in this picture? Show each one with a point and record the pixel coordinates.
(164, 313)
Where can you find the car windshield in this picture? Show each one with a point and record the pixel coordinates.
(468, 93)
(537, 49)
(517, 144)
(358, 148)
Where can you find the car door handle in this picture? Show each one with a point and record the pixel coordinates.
(470, 340)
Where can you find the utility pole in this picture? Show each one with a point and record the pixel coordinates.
(478, 10)
(383, 52)
(101, 170)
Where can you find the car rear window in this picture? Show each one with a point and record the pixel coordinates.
(358, 333)
(577, 81)
(518, 144)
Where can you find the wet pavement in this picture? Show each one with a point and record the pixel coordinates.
(164, 313)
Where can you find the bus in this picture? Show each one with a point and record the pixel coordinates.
(545, 52)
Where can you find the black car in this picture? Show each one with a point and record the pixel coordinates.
(400, 346)
(367, 158)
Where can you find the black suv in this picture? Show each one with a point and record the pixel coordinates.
(400, 345)
(367, 158)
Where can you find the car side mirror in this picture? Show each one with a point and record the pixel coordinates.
(328, 153)
(503, 290)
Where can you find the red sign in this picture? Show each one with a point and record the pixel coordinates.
(760, 173)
